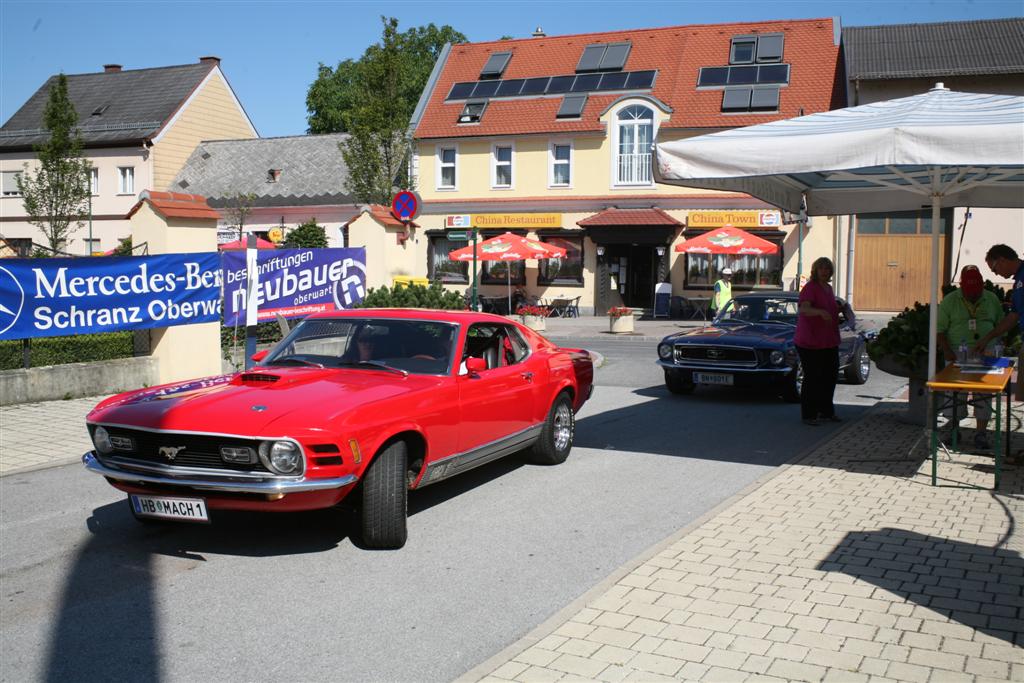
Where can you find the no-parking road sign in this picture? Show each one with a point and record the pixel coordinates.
(405, 205)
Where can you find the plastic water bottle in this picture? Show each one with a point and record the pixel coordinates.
(961, 354)
(997, 349)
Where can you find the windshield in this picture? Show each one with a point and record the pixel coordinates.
(415, 346)
(746, 310)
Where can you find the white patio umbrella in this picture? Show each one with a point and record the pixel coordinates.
(941, 148)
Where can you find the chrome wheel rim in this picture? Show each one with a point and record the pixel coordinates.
(865, 365)
(798, 380)
(562, 426)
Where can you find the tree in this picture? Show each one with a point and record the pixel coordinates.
(337, 91)
(307, 236)
(238, 209)
(56, 194)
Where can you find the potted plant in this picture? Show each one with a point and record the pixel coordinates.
(533, 316)
(620, 319)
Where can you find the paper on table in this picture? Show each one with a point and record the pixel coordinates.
(981, 370)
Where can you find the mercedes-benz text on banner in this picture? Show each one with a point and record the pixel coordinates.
(62, 296)
(294, 282)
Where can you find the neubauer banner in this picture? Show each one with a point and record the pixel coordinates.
(294, 282)
(63, 296)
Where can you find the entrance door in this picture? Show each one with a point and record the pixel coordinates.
(893, 271)
(632, 267)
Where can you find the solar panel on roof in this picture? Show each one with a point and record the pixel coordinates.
(572, 106)
(613, 81)
(586, 82)
(461, 91)
(535, 86)
(615, 56)
(640, 80)
(591, 58)
(713, 75)
(742, 75)
(773, 73)
(486, 88)
(736, 99)
(769, 48)
(510, 88)
(560, 84)
(764, 99)
(495, 65)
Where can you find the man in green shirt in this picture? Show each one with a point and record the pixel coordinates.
(965, 316)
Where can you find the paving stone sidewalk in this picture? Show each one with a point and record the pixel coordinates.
(845, 566)
(35, 435)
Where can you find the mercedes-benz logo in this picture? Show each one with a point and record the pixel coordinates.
(12, 299)
(171, 452)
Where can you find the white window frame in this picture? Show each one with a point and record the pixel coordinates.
(616, 126)
(126, 180)
(94, 181)
(511, 165)
(14, 177)
(438, 165)
(552, 161)
(91, 246)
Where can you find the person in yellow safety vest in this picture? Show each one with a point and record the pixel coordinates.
(723, 291)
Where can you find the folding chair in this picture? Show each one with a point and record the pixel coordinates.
(572, 310)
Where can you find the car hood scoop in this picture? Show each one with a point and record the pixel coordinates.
(257, 378)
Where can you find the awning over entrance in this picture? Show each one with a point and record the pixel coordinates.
(633, 226)
(622, 217)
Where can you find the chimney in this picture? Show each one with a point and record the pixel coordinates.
(539, 33)
(111, 68)
(210, 60)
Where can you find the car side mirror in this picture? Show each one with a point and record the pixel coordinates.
(475, 365)
(259, 355)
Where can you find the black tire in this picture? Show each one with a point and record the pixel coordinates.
(859, 369)
(385, 499)
(794, 382)
(555, 442)
(677, 383)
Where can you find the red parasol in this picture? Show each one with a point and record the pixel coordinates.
(727, 240)
(240, 244)
(508, 246)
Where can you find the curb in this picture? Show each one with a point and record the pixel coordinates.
(549, 625)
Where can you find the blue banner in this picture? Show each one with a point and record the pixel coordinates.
(63, 296)
(294, 282)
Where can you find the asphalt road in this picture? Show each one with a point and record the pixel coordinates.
(89, 594)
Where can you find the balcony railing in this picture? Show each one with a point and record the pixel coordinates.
(634, 169)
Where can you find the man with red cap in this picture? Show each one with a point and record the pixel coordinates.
(966, 316)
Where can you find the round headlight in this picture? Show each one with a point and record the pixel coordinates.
(101, 440)
(776, 357)
(665, 351)
(282, 457)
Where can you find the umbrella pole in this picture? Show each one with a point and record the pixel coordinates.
(508, 272)
(933, 309)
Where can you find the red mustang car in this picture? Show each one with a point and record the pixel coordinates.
(368, 403)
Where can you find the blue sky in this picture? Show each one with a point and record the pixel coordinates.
(270, 50)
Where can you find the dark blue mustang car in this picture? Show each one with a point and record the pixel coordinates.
(750, 344)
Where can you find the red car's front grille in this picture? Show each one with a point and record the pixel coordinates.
(190, 450)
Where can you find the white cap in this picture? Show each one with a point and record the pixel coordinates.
(726, 271)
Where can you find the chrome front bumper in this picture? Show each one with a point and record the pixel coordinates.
(779, 370)
(230, 483)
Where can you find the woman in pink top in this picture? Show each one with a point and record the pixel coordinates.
(817, 341)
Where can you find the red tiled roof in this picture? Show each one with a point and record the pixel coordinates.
(383, 215)
(677, 52)
(176, 205)
(652, 216)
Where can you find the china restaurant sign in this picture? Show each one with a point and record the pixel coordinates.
(738, 219)
(60, 297)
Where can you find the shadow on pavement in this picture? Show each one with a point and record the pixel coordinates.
(978, 586)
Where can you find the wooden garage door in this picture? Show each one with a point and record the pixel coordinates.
(893, 271)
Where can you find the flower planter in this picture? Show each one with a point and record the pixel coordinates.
(621, 325)
(534, 322)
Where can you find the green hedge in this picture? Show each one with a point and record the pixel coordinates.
(81, 348)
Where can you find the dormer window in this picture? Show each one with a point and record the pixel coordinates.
(473, 111)
(603, 57)
(495, 65)
(756, 49)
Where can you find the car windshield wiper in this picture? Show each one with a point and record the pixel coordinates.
(373, 364)
(288, 360)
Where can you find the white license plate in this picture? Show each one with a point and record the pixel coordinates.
(712, 378)
(189, 509)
